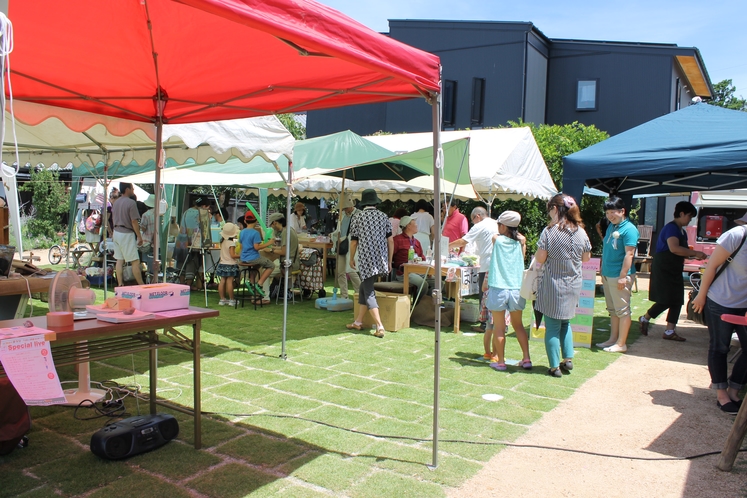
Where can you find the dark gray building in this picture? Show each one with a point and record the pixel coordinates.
(495, 72)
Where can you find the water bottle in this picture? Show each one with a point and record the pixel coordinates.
(411, 254)
(334, 293)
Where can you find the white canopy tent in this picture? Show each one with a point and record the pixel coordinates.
(316, 187)
(503, 162)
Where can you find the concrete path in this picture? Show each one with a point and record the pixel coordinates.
(653, 402)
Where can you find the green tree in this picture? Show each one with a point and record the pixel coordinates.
(50, 200)
(724, 96)
(293, 126)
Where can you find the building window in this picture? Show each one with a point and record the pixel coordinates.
(449, 103)
(478, 101)
(587, 95)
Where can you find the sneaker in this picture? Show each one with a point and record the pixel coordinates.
(616, 349)
(566, 365)
(231, 302)
(673, 337)
(223, 302)
(554, 372)
(643, 325)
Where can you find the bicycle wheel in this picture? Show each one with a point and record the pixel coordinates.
(55, 254)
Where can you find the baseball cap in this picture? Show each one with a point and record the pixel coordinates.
(404, 221)
(275, 217)
(509, 218)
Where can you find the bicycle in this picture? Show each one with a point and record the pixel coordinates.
(61, 251)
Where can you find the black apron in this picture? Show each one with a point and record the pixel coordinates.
(667, 286)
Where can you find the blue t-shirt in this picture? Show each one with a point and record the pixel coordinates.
(506, 264)
(248, 237)
(613, 252)
(670, 230)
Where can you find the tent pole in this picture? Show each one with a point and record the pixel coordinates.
(287, 255)
(437, 160)
(104, 223)
(157, 188)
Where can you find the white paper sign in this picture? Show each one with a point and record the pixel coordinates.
(28, 363)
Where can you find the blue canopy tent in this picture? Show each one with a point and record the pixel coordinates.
(700, 147)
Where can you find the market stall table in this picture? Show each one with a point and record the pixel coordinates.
(94, 340)
(458, 282)
(324, 246)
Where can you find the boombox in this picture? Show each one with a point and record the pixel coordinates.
(134, 435)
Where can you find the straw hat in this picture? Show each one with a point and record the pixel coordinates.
(229, 231)
(151, 201)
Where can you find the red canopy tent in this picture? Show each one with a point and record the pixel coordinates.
(167, 61)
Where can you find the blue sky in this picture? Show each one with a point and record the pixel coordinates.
(717, 29)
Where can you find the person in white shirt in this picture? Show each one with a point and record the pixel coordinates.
(426, 224)
(298, 217)
(481, 235)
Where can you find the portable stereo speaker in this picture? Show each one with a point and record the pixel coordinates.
(134, 435)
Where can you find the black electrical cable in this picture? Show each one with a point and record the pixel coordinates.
(481, 443)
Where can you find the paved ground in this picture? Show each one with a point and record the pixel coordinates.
(653, 402)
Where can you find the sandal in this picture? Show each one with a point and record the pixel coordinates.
(379, 333)
(501, 367)
(526, 364)
(258, 290)
(354, 326)
(554, 372)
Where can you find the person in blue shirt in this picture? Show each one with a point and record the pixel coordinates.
(666, 288)
(251, 243)
(618, 273)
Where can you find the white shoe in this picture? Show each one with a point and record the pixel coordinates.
(616, 349)
(602, 345)
(223, 302)
(231, 302)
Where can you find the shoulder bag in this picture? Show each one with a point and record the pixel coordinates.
(699, 317)
(530, 282)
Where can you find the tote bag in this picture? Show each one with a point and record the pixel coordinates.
(530, 282)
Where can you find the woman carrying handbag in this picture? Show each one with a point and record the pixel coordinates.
(722, 292)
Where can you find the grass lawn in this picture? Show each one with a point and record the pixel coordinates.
(315, 424)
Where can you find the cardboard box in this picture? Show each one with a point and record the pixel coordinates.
(393, 308)
(155, 297)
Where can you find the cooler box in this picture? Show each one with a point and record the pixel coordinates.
(393, 308)
(155, 297)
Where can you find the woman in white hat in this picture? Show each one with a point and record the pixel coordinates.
(228, 267)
